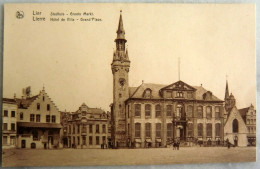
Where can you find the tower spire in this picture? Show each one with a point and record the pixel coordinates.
(227, 91)
(120, 31)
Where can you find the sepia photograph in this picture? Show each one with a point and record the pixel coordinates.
(108, 84)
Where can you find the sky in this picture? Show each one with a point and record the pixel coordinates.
(72, 60)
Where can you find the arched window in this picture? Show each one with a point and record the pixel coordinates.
(147, 110)
(190, 129)
(217, 129)
(235, 126)
(190, 111)
(209, 130)
(158, 110)
(200, 112)
(200, 129)
(138, 110)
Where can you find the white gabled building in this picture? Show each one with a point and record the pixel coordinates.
(38, 122)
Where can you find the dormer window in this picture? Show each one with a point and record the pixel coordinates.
(147, 93)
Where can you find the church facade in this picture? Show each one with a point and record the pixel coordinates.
(154, 115)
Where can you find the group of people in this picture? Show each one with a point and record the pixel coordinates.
(176, 145)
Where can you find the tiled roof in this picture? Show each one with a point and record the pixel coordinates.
(137, 92)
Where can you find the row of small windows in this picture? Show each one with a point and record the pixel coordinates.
(169, 94)
(251, 121)
(39, 107)
(38, 118)
(5, 126)
(179, 108)
(84, 128)
(251, 129)
(190, 127)
(6, 113)
(84, 140)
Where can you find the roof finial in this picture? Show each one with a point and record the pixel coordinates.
(43, 88)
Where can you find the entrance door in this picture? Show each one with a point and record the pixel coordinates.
(23, 143)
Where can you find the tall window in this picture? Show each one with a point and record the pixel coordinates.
(53, 119)
(217, 112)
(158, 110)
(179, 113)
(5, 113)
(12, 113)
(97, 128)
(38, 106)
(200, 130)
(78, 128)
(48, 107)
(189, 111)
(169, 129)
(78, 140)
(13, 126)
(73, 129)
(200, 112)
(21, 116)
(158, 130)
(38, 118)
(90, 128)
(235, 126)
(217, 129)
(148, 130)
(209, 112)
(103, 139)
(137, 129)
(5, 126)
(190, 130)
(209, 130)
(169, 110)
(128, 129)
(31, 117)
(48, 119)
(35, 134)
(69, 129)
(84, 140)
(137, 110)
(84, 128)
(147, 110)
(103, 128)
(97, 140)
(90, 140)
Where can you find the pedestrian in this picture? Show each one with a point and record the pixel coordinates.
(178, 145)
(228, 144)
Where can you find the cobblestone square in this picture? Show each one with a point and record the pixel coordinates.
(93, 157)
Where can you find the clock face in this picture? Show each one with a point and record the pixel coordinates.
(122, 82)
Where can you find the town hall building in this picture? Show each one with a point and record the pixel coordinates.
(154, 115)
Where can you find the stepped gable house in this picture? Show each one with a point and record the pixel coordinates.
(38, 122)
(154, 114)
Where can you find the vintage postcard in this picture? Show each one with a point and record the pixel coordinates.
(128, 84)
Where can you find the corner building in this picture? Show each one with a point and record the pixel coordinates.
(153, 115)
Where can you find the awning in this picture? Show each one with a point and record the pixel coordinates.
(148, 140)
(138, 140)
(39, 125)
(158, 140)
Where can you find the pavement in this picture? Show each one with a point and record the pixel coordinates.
(93, 157)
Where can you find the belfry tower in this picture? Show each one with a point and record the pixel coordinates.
(120, 68)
